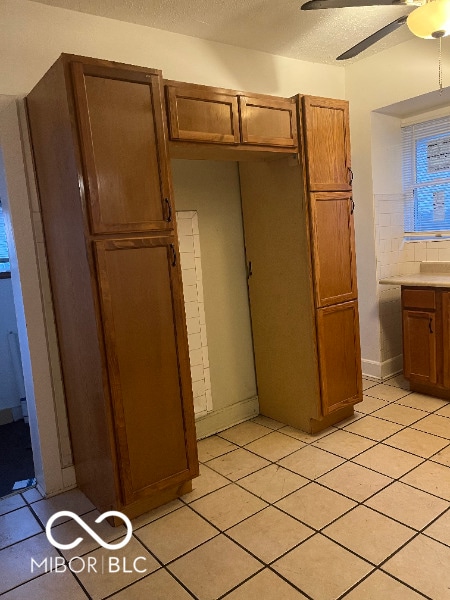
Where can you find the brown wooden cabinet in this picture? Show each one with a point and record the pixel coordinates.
(198, 113)
(100, 148)
(268, 121)
(425, 339)
(333, 244)
(339, 355)
(202, 114)
(302, 287)
(327, 144)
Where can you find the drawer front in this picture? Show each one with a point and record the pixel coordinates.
(419, 298)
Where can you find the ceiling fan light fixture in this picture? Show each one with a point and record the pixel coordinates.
(431, 20)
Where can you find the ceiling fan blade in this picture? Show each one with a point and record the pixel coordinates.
(372, 39)
(320, 4)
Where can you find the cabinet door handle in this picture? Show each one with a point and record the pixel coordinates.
(249, 269)
(350, 176)
(352, 206)
(174, 255)
(169, 210)
(430, 325)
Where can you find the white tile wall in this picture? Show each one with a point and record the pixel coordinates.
(397, 257)
(191, 272)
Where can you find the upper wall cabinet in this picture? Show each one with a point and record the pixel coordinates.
(327, 137)
(200, 113)
(122, 148)
(268, 121)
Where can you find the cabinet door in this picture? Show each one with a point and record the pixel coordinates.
(327, 137)
(269, 122)
(123, 145)
(199, 114)
(446, 337)
(148, 363)
(419, 346)
(339, 356)
(333, 244)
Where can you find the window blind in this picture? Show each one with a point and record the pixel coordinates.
(426, 176)
(5, 267)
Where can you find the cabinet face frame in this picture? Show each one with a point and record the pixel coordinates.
(153, 81)
(281, 105)
(130, 492)
(327, 141)
(326, 250)
(176, 93)
(328, 346)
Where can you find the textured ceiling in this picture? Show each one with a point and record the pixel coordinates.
(274, 26)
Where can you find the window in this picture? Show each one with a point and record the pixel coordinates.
(426, 177)
(5, 266)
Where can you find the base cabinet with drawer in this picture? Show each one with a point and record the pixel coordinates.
(426, 339)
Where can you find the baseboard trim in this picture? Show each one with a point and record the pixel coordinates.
(379, 371)
(218, 420)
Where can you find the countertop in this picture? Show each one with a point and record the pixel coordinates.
(432, 274)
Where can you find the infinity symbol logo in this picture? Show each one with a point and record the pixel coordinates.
(91, 532)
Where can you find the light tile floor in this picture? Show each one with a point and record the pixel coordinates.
(361, 511)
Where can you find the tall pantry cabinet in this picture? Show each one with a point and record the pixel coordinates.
(298, 222)
(99, 139)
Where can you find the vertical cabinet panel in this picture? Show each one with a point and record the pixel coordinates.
(144, 337)
(333, 248)
(200, 114)
(327, 138)
(419, 346)
(339, 356)
(123, 148)
(270, 122)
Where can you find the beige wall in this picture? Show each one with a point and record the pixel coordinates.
(32, 36)
(400, 73)
(212, 189)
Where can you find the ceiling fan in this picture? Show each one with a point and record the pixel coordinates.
(428, 19)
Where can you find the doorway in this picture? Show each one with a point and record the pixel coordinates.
(16, 457)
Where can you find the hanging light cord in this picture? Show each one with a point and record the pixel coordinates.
(440, 65)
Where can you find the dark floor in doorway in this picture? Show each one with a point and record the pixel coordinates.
(16, 458)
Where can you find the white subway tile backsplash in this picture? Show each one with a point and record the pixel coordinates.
(191, 309)
(197, 251)
(193, 325)
(196, 357)
(184, 227)
(190, 259)
(198, 388)
(185, 214)
(186, 243)
(201, 313)
(190, 293)
(195, 341)
(187, 260)
(207, 379)
(203, 335)
(188, 276)
(197, 373)
(194, 223)
(205, 356)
